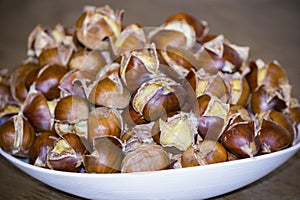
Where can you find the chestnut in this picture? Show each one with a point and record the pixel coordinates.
(107, 90)
(17, 81)
(42, 38)
(137, 136)
(16, 136)
(212, 116)
(40, 147)
(239, 89)
(150, 157)
(179, 59)
(48, 80)
(71, 114)
(75, 82)
(106, 157)
(175, 130)
(39, 112)
(203, 153)
(240, 140)
(213, 85)
(71, 109)
(272, 137)
(56, 56)
(103, 121)
(138, 67)
(96, 24)
(266, 98)
(157, 97)
(130, 39)
(270, 75)
(200, 26)
(66, 154)
(87, 61)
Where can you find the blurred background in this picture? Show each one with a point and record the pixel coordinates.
(270, 27)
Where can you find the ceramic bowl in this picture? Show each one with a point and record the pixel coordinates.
(186, 183)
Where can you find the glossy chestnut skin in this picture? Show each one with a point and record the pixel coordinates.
(103, 121)
(40, 147)
(270, 75)
(71, 109)
(37, 112)
(240, 140)
(87, 61)
(17, 80)
(107, 90)
(66, 154)
(149, 157)
(265, 98)
(163, 96)
(106, 157)
(16, 136)
(48, 80)
(272, 137)
(55, 56)
(136, 68)
(205, 152)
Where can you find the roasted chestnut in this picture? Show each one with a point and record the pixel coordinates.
(149, 157)
(67, 154)
(103, 121)
(16, 136)
(39, 112)
(203, 153)
(96, 24)
(71, 114)
(48, 80)
(176, 130)
(40, 147)
(107, 90)
(240, 140)
(272, 137)
(106, 157)
(158, 96)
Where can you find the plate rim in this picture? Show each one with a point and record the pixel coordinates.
(15, 160)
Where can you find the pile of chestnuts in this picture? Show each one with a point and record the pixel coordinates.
(102, 97)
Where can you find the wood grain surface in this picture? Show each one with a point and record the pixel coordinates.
(270, 27)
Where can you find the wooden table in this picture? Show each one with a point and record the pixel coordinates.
(270, 27)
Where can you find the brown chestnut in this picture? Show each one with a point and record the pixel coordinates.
(103, 121)
(175, 130)
(39, 112)
(106, 157)
(203, 153)
(40, 147)
(240, 140)
(66, 154)
(272, 137)
(17, 81)
(16, 136)
(107, 90)
(96, 24)
(149, 157)
(138, 67)
(71, 109)
(158, 96)
(48, 80)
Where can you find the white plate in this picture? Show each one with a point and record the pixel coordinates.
(187, 183)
